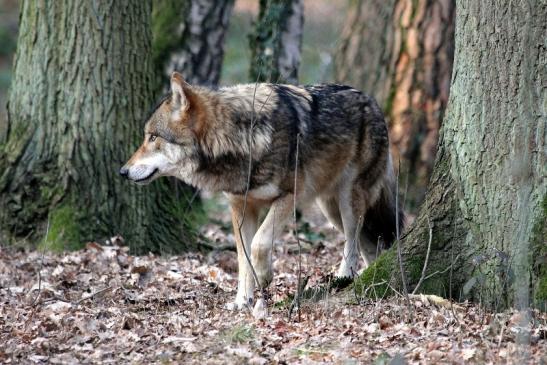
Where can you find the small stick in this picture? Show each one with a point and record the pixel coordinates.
(240, 224)
(299, 289)
(501, 335)
(441, 272)
(426, 257)
(92, 295)
(78, 302)
(399, 254)
(41, 266)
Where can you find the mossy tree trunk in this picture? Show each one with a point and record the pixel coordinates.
(487, 200)
(81, 85)
(189, 38)
(401, 52)
(276, 41)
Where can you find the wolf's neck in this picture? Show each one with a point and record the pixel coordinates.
(235, 119)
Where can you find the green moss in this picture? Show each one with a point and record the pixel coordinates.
(167, 16)
(381, 270)
(50, 192)
(388, 105)
(265, 39)
(415, 4)
(17, 139)
(540, 297)
(436, 284)
(63, 231)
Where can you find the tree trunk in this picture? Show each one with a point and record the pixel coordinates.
(401, 51)
(364, 57)
(81, 83)
(189, 38)
(487, 199)
(276, 41)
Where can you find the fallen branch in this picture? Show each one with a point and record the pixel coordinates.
(76, 303)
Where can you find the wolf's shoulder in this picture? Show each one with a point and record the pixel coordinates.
(329, 88)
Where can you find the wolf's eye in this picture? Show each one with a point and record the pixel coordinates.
(152, 138)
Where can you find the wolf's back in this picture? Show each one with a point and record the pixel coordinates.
(346, 114)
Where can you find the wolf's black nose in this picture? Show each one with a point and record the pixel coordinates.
(124, 171)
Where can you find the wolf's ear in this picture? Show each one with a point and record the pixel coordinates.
(179, 98)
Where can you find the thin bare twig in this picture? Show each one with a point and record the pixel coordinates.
(501, 335)
(424, 269)
(372, 285)
(78, 302)
(357, 241)
(299, 290)
(450, 277)
(397, 232)
(249, 171)
(92, 295)
(441, 272)
(41, 266)
(240, 224)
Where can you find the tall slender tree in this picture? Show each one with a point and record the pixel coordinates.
(401, 52)
(485, 211)
(276, 41)
(189, 38)
(81, 86)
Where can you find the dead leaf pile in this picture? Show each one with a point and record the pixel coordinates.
(102, 305)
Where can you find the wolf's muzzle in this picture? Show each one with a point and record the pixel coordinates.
(124, 172)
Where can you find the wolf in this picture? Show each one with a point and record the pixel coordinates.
(272, 146)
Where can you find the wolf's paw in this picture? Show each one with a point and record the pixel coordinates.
(239, 304)
(261, 309)
(346, 271)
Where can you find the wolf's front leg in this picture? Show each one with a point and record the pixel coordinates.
(244, 221)
(273, 225)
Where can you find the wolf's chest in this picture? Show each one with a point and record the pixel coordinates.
(268, 191)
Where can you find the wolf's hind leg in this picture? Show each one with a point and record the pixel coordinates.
(270, 229)
(248, 224)
(329, 208)
(352, 222)
(362, 200)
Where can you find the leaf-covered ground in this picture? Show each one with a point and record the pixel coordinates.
(101, 305)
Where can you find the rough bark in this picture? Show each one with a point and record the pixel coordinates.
(401, 52)
(276, 41)
(366, 46)
(487, 198)
(83, 74)
(189, 38)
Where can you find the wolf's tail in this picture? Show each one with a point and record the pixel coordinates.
(381, 220)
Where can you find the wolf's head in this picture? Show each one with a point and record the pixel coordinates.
(170, 136)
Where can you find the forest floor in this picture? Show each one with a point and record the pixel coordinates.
(102, 305)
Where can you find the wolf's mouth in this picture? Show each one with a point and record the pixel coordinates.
(147, 178)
